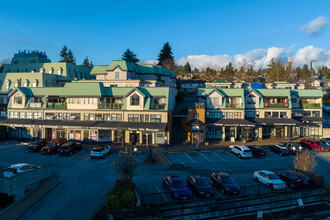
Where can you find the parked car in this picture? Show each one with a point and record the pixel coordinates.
(177, 187)
(52, 146)
(315, 145)
(279, 149)
(36, 146)
(269, 178)
(15, 169)
(293, 178)
(293, 147)
(225, 182)
(69, 148)
(200, 186)
(241, 151)
(326, 141)
(100, 152)
(257, 151)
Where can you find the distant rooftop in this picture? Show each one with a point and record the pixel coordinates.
(33, 56)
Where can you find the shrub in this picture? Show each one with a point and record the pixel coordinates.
(121, 196)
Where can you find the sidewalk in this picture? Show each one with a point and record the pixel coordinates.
(18, 209)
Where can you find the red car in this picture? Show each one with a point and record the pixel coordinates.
(52, 146)
(315, 145)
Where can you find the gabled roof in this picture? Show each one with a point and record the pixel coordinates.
(99, 70)
(308, 93)
(121, 64)
(83, 89)
(133, 90)
(24, 90)
(274, 92)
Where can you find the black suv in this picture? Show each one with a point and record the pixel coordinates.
(293, 179)
(69, 148)
(279, 149)
(225, 182)
(37, 145)
(293, 147)
(200, 186)
(257, 151)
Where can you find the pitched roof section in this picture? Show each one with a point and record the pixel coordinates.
(84, 89)
(128, 66)
(308, 93)
(274, 92)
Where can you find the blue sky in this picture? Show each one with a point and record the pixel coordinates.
(102, 30)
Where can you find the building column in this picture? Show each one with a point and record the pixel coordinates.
(112, 135)
(285, 131)
(223, 133)
(141, 137)
(259, 133)
(235, 133)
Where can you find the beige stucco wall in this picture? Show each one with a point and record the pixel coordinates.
(137, 107)
(17, 105)
(208, 101)
(111, 74)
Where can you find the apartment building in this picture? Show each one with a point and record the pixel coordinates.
(33, 69)
(91, 111)
(243, 85)
(255, 114)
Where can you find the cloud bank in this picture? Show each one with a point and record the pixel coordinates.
(315, 26)
(259, 58)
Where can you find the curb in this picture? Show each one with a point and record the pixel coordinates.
(191, 151)
(219, 150)
(206, 151)
(173, 152)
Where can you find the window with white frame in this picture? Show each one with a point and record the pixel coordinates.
(133, 117)
(7, 86)
(18, 99)
(116, 75)
(29, 115)
(13, 115)
(22, 115)
(215, 101)
(116, 117)
(155, 118)
(37, 115)
(135, 100)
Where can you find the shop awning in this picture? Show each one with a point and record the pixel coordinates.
(312, 120)
(138, 126)
(277, 121)
(230, 122)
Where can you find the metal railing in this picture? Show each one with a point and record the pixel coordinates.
(232, 106)
(157, 106)
(276, 105)
(56, 105)
(110, 106)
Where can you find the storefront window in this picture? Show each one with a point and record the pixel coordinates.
(105, 135)
(155, 118)
(314, 131)
(22, 115)
(237, 115)
(217, 115)
(316, 114)
(268, 114)
(66, 116)
(89, 117)
(13, 115)
(229, 115)
(133, 117)
(275, 115)
(283, 115)
(209, 132)
(98, 117)
(75, 116)
(116, 117)
(218, 132)
(29, 115)
(307, 113)
(106, 117)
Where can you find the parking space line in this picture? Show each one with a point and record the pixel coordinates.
(205, 157)
(219, 156)
(110, 156)
(74, 156)
(9, 145)
(15, 148)
(189, 157)
(161, 193)
(220, 195)
(235, 157)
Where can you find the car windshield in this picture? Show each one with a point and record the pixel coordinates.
(52, 144)
(246, 151)
(36, 142)
(201, 182)
(178, 184)
(98, 149)
(273, 176)
(227, 180)
(12, 170)
(64, 147)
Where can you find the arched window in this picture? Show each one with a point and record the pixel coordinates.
(18, 99)
(7, 86)
(17, 83)
(251, 99)
(214, 99)
(135, 99)
(59, 71)
(51, 70)
(41, 70)
(35, 83)
(26, 83)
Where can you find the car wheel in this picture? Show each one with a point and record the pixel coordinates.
(280, 154)
(239, 156)
(256, 179)
(230, 150)
(223, 191)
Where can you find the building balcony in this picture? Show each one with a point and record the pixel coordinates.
(234, 106)
(309, 105)
(110, 105)
(276, 105)
(56, 105)
(159, 107)
(35, 105)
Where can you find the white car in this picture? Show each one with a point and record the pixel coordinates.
(241, 151)
(100, 151)
(15, 169)
(269, 178)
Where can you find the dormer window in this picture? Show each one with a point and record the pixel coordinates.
(18, 99)
(251, 99)
(50, 71)
(59, 71)
(214, 99)
(116, 75)
(135, 99)
(41, 70)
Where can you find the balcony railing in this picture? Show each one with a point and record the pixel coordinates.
(276, 105)
(157, 107)
(35, 105)
(309, 105)
(232, 106)
(110, 106)
(56, 105)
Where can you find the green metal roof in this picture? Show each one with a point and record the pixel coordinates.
(84, 89)
(121, 64)
(308, 93)
(220, 81)
(99, 70)
(274, 92)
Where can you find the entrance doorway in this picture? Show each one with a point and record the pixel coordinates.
(134, 137)
(147, 139)
(279, 132)
(49, 133)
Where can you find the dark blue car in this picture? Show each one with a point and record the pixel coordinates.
(177, 187)
(279, 149)
(200, 186)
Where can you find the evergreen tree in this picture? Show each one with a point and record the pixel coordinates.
(64, 54)
(1, 67)
(298, 73)
(130, 56)
(86, 62)
(276, 70)
(165, 57)
(187, 68)
(71, 58)
(305, 74)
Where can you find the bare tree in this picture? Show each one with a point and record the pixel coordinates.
(305, 161)
(125, 166)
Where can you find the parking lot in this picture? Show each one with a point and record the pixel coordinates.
(82, 180)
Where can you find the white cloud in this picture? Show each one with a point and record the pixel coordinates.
(315, 26)
(259, 58)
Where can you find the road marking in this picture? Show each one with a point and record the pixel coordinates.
(15, 148)
(9, 145)
(219, 157)
(110, 156)
(220, 195)
(189, 157)
(74, 156)
(205, 157)
(235, 157)
(161, 193)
